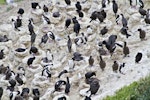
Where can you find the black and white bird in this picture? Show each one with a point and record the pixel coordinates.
(124, 31)
(35, 5)
(110, 44)
(19, 79)
(14, 94)
(84, 37)
(36, 94)
(51, 35)
(12, 83)
(46, 20)
(46, 72)
(118, 19)
(58, 85)
(17, 23)
(30, 26)
(120, 67)
(89, 74)
(79, 41)
(105, 3)
(141, 3)
(21, 70)
(25, 93)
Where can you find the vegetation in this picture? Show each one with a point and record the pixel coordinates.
(136, 91)
(2, 1)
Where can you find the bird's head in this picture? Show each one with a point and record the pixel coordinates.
(121, 14)
(78, 2)
(113, 1)
(123, 64)
(104, 42)
(93, 74)
(125, 42)
(139, 29)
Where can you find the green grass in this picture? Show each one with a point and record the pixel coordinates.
(136, 91)
(2, 2)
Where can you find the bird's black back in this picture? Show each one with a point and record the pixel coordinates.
(67, 23)
(94, 87)
(138, 57)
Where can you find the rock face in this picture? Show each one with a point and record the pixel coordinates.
(53, 56)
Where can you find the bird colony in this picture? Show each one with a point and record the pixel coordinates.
(69, 49)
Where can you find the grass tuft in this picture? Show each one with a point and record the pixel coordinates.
(2, 2)
(136, 91)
